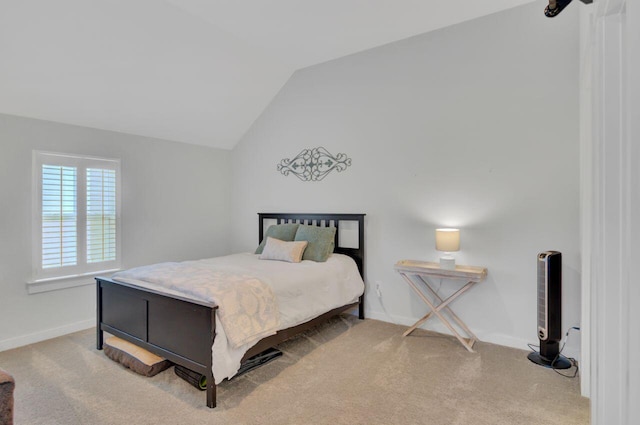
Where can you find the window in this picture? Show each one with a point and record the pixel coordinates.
(76, 220)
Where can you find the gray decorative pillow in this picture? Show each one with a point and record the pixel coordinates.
(321, 242)
(284, 232)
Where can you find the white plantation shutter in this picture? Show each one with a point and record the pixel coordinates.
(76, 215)
(101, 215)
(59, 216)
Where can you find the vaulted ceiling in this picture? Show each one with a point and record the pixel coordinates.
(194, 71)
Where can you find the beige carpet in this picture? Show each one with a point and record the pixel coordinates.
(345, 372)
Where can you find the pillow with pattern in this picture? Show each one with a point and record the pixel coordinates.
(275, 249)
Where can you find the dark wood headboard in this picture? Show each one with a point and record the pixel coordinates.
(322, 220)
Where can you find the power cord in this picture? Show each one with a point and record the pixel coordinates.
(574, 362)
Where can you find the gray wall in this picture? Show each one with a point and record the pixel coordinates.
(475, 126)
(175, 206)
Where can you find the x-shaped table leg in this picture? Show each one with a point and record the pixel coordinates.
(443, 305)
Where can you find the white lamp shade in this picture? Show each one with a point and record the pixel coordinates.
(448, 240)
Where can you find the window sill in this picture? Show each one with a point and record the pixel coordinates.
(63, 282)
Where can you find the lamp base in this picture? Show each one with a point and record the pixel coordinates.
(447, 263)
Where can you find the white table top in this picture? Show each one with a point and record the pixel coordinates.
(471, 273)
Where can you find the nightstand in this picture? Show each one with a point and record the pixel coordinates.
(421, 271)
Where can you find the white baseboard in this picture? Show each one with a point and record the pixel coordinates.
(491, 337)
(23, 340)
(571, 350)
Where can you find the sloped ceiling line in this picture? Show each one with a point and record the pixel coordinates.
(193, 71)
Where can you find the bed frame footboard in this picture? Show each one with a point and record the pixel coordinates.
(170, 327)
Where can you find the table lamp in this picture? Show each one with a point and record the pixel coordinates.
(447, 241)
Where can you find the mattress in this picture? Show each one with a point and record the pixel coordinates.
(302, 290)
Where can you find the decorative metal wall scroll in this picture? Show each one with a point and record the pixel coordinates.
(314, 164)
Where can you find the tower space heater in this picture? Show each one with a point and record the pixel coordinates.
(550, 311)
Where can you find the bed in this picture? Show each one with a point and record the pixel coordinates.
(183, 329)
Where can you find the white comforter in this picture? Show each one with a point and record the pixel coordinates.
(250, 310)
(303, 291)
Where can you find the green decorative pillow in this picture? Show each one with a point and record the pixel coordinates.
(321, 242)
(284, 232)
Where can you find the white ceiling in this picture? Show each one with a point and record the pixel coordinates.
(195, 71)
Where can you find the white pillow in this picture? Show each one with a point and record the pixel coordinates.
(275, 249)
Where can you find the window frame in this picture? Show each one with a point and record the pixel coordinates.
(75, 275)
